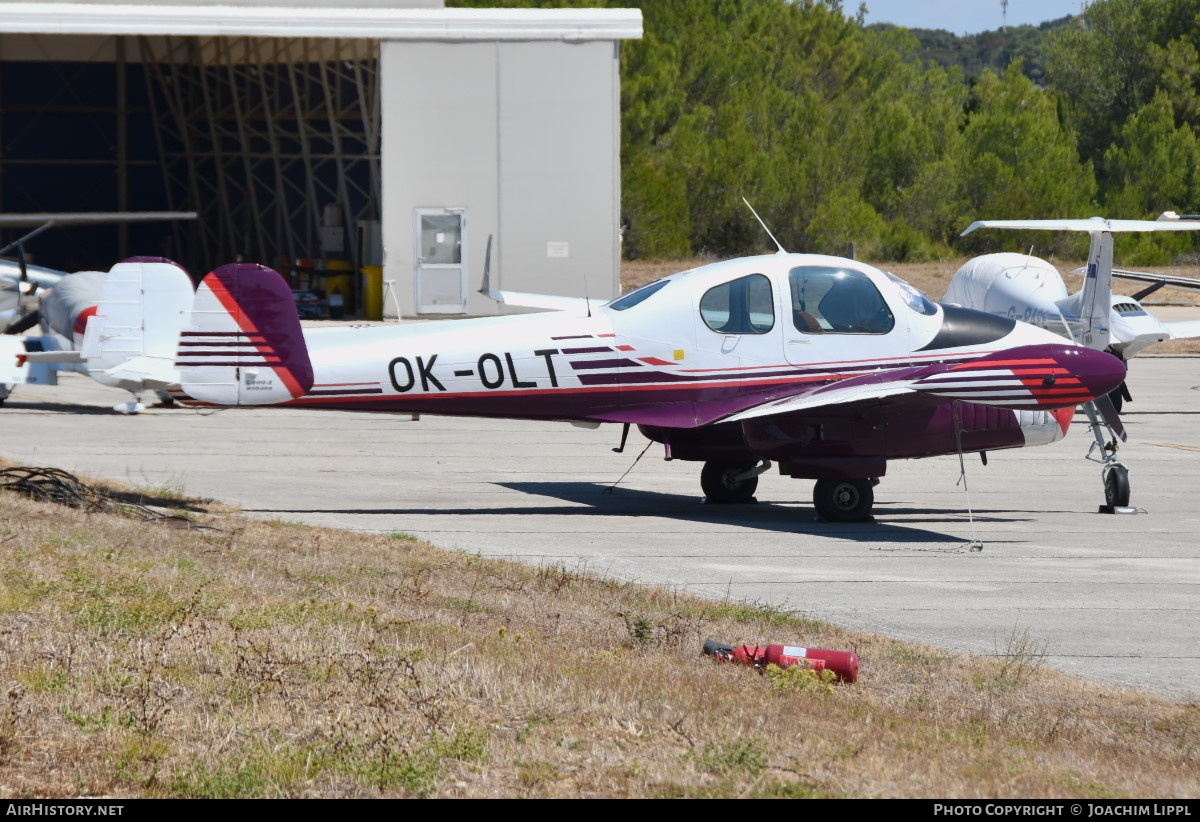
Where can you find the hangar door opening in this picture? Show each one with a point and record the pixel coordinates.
(275, 142)
(440, 237)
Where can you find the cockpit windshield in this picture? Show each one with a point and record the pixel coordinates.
(915, 297)
(637, 296)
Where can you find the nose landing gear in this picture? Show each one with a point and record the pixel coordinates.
(1114, 473)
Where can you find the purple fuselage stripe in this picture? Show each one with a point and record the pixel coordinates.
(599, 349)
(590, 364)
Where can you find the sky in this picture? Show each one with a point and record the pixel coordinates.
(963, 16)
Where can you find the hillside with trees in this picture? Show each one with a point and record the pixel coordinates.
(840, 132)
(995, 50)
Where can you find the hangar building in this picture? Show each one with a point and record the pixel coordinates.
(322, 137)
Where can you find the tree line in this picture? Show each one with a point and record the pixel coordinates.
(839, 132)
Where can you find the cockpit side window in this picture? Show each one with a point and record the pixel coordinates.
(837, 301)
(742, 306)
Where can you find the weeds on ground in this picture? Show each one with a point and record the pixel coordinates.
(312, 663)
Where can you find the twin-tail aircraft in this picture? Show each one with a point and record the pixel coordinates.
(1027, 288)
(141, 327)
(829, 367)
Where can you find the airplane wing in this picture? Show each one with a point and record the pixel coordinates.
(1185, 330)
(1186, 283)
(1031, 377)
(580, 305)
(1044, 377)
(842, 393)
(547, 302)
(1179, 330)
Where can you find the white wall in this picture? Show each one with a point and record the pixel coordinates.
(523, 135)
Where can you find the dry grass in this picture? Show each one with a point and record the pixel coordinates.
(934, 278)
(278, 660)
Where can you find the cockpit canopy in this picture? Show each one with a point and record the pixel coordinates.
(823, 295)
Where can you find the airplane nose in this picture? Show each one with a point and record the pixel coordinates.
(1099, 371)
(1042, 376)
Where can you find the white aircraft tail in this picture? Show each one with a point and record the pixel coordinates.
(132, 336)
(1093, 304)
(243, 344)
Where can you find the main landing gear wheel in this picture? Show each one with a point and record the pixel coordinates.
(1116, 486)
(844, 500)
(721, 485)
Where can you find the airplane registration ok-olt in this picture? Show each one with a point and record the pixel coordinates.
(827, 366)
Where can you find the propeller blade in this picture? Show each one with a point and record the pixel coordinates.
(1146, 292)
(21, 262)
(1108, 412)
(24, 323)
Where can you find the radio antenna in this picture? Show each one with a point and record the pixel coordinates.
(764, 225)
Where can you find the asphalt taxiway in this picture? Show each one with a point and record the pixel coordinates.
(1112, 598)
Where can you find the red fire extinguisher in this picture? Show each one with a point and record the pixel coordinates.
(843, 664)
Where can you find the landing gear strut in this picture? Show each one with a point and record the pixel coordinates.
(727, 483)
(1114, 472)
(844, 500)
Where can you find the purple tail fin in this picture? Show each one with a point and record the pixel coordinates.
(244, 345)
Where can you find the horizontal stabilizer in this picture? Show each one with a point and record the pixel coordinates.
(1090, 225)
(52, 356)
(13, 367)
(152, 372)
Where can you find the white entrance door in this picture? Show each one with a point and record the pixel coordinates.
(440, 244)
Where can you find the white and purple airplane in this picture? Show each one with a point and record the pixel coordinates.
(827, 366)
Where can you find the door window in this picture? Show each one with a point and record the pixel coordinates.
(837, 301)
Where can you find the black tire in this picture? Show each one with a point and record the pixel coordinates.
(1116, 486)
(720, 487)
(844, 500)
